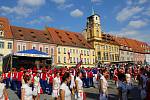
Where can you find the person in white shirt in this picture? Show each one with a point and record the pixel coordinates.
(103, 85)
(72, 84)
(26, 90)
(56, 86)
(65, 93)
(79, 87)
(3, 91)
(36, 91)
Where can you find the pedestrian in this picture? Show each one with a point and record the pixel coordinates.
(3, 91)
(103, 86)
(122, 87)
(37, 86)
(128, 80)
(72, 84)
(148, 87)
(56, 86)
(65, 93)
(26, 90)
(79, 87)
(142, 83)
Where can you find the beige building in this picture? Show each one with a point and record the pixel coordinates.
(6, 39)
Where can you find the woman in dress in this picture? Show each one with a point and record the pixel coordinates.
(65, 93)
(103, 85)
(26, 90)
(79, 87)
(36, 91)
(56, 86)
(122, 87)
(3, 91)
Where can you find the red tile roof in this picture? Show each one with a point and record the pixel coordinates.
(62, 37)
(28, 34)
(137, 46)
(6, 28)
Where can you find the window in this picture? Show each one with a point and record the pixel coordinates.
(24, 47)
(33, 47)
(93, 53)
(74, 60)
(1, 58)
(59, 59)
(85, 60)
(1, 32)
(64, 50)
(73, 51)
(87, 53)
(88, 60)
(1, 26)
(41, 49)
(70, 59)
(64, 59)
(52, 51)
(84, 52)
(70, 50)
(58, 50)
(99, 55)
(81, 52)
(9, 45)
(46, 49)
(76, 51)
(93, 60)
(77, 60)
(19, 48)
(1, 45)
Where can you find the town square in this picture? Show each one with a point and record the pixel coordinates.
(74, 50)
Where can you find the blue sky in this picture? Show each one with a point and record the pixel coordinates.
(126, 18)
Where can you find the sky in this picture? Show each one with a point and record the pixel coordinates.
(125, 18)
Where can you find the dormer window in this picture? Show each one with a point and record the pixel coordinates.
(1, 26)
(1, 32)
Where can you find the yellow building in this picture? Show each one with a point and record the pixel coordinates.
(6, 41)
(107, 50)
(71, 48)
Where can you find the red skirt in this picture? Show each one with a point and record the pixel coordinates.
(115, 78)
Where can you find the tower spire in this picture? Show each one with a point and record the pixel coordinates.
(93, 12)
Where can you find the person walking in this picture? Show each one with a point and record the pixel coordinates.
(3, 91)
(65, 93)
(103, 86)
(26, 90)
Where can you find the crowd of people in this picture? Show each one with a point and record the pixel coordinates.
(65, 83)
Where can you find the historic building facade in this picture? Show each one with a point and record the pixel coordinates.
(71, 49)
(106, 48)
(6, 40)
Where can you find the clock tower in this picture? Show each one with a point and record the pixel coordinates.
(93, 27)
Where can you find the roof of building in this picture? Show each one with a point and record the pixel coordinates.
(28, 34)
(137, 46)
(67, 38)
(4, 21)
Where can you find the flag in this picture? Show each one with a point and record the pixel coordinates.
(79, 64)
(68, 55)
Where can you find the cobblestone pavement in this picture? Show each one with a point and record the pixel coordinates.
(91, 93)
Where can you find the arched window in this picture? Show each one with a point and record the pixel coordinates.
(1, 32)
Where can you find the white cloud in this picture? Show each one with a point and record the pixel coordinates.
(65, 6)
(40, 20)
(137, 24)
(31, 2)
(129, 2)
(23, 8)
(59, 1)
(21, 11)
(147, 12)
(142, 1)
(128, 12)
(76, 13)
